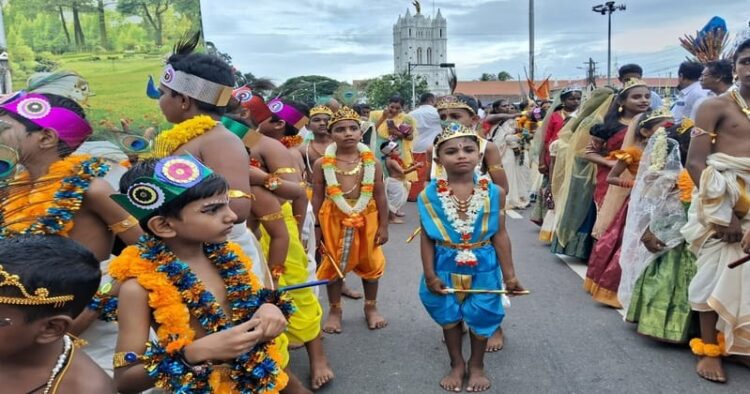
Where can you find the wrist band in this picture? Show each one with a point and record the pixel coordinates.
(124, 359)
(123, 225)
(272, 182)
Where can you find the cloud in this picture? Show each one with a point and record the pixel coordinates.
(352, 39)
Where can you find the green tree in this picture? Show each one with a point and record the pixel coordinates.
(381, 89)
(504, 76)
(154, 12)
(488, 77)
(307, 88)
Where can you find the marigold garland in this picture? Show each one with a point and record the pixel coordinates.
(175, 292)
(631, 156)
(333, 189)
(167, 142)
(686, 186)
(51, 202)
(291, 141)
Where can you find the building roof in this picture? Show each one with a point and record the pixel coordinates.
(513, 88)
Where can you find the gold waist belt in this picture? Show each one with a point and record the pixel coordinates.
(463, 245)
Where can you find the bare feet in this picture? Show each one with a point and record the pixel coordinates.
(349, 293)
(496, 342)
(374, 319)
(333, 322)
(320, 374)
(400, 214)
(478, 381)
(710, 368)
(396, 221)
(454, 380)
(294, 386)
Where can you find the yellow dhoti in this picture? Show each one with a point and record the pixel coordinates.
(304, 325)
(365, 258)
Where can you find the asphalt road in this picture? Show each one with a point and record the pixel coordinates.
(557, 339)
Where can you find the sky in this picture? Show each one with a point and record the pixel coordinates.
(353, 39)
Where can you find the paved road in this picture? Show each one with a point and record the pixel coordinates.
(558, 339)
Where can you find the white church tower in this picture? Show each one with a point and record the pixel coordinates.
(422, 40)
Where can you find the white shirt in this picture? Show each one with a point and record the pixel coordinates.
(428, 127)
(686, 101)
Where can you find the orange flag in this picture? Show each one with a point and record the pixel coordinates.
(542, 92)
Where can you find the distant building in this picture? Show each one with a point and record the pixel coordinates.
(422, 40)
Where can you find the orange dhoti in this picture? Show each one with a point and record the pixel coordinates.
(365, 258)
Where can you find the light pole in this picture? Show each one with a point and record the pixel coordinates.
(411, 76)
(607, 9)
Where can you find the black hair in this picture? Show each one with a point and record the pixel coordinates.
(425, 97)
(611, 124)
(397, 99)
(468, 100)
(302, 108)
(59, 264)
(721, 69)
(211, 186)
(63, 149)
(208, 67)
(523, 105)
(690, 70)
(682, 138)
(496, 105)
(629, 69)
(743, 45)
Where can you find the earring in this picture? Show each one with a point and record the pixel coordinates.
(619, 109)
(184, 108)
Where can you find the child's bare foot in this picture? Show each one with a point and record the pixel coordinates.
(400, 214)
(478, 381)
(347, 292)
(496, 341)
(333, 322)
(454, 380)
(374, 319)
(294, 386)
(396, 221)
(320, 373)
(710, 368)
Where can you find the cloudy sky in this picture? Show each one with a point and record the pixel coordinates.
(352, 39)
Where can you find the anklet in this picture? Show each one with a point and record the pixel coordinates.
(333, 305)
(700, 348)
(371, 302)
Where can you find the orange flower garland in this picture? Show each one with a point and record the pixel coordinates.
(686, 186)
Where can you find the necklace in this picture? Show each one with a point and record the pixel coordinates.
(168, 142)
(353, 171)
(464, 227)
(333, 187)
(291, 141)
(63, 361)
(734, 92)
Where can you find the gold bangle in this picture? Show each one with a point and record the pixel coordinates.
(495, 167)
(285, 170)
(233, 193)
(271, 217)
(124, 359)
(123, 225)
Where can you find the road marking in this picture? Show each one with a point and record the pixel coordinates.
(513, 214)
(580, 269)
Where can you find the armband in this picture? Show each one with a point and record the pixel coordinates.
(272, 217)
(123, 225)
(285, 170)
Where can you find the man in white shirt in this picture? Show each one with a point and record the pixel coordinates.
(690, 90)
(428, 127)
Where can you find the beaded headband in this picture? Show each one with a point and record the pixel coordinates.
(259, 112)
(173, 175)
(454, 130)
(287, 113)
(453, 102)
(196, 87)
(40, 297)
(321, 110)
(345, 113)
(70, 128)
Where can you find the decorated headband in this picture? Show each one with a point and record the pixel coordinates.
(40, 297)
(248, 136)
(570, 89)
(196, 87)
(70, 128)
(389, 148)
(321, 110)
(173, 175)
(259, 112)
(345, 113)
(287, 113)
(454, 130)
(632, 83)
(453, 102)
(660, 113)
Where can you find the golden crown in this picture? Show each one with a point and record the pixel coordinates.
(454, 130)
(632, 83)
(40, 296)
(659, 113)
(453, 102)
(345, 113)
(320, 110)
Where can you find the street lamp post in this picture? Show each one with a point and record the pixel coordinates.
(411, 76)
(607, 9)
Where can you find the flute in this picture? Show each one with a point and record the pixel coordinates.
(739, 262)
(486, 291)
(305, 285)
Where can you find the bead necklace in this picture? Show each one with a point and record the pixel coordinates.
(61, 365)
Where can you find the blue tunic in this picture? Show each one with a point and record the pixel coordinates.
(483, 313)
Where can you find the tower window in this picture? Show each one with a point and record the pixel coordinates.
(419, 55)
(429, 55)
(441, 33)
(409, 32)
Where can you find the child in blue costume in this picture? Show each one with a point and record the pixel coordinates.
(462, 221)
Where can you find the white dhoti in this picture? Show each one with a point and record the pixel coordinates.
(308, 241)
(724, 188)
(242, 236)
(397, 191)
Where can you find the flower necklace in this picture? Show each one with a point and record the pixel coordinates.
(49, 206)
(167, 142)
(659, 151)
(464, 227)
(175, 293)
(291, 141)
(737, 97)
(333, 189)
